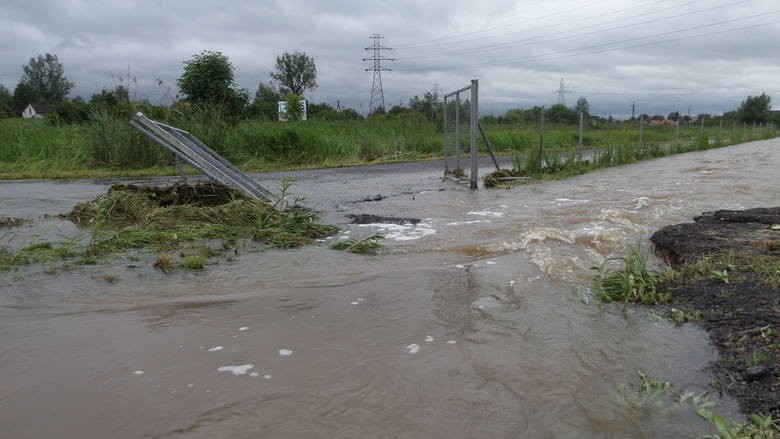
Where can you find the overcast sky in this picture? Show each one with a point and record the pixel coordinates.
(702, 56)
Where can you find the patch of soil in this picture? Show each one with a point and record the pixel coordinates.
(740, 306)
(364, 218)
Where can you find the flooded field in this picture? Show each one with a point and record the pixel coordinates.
(475, 322)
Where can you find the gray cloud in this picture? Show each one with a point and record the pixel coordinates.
(706, 55)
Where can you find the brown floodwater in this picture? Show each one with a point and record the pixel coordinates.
(477, 322)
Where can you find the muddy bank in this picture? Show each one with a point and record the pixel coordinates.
(730, 265)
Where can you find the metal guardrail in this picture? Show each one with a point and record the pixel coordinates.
(196, 153)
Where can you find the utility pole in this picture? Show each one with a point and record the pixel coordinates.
(633, 110)
(562, 90)
(377, 94)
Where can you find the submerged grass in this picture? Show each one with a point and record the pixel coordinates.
(664, 397)
(367, 245)
(627, 279)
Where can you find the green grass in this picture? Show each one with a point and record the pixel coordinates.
(627, 279)
(108, 146)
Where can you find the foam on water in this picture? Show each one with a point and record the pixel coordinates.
(216, 348)
(413, 348)
(285, 352)
(236, 370)
(486, 213)
(403, 232)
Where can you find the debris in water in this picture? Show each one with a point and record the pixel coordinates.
(216, 348)
(429, 339)
(413, 348)
(365, 218)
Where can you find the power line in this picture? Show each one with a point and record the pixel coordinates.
(576, 33)
(604, 47)
(377, 94)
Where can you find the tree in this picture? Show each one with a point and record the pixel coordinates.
(296, 72)
(44, 75)
(6, 102)
(24, 95)
(208, 79)
(265, 104)
(560, 113)
(756, 109)
(582, 107)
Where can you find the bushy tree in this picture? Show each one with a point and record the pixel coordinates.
(560, 113)
(296, 72)
(44, 79)
(756, 109)
(6, 102)
(265, 105)
(582, 106)
(208, 80)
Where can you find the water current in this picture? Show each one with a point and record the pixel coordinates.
(474, 323)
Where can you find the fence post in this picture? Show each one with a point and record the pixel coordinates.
(541, 137)
(580, 143)
(641, 129)
(474, 123)
(446, 137)
(677, 132)
(457, 132)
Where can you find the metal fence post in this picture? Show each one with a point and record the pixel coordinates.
(474, 122)
(446, 138)
(457, 132)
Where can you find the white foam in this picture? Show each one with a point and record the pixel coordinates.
(459, 266)
(243, 328)
(138, 372)
(451, 341)
(285, 352)
(216, 348)
(354, 303)
(236, 370)
(490, 263)
(403, 232)
(460, 223)
(413, 348)
(429, 339)
(266, 377)
(569, 201)
(254, 374)
(487, 213)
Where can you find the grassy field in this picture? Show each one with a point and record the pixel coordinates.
(108, 146)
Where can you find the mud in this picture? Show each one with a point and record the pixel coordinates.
(741, 317)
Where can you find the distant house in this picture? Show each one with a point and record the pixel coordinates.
(34, 111)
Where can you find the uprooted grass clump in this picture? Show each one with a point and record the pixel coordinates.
(162, 218)
(503, 177)
(196, 218)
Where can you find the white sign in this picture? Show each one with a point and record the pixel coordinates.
(284, 116)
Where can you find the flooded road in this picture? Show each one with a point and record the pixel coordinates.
(474, 323)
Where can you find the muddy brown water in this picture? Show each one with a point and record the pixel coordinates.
(474, 323)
